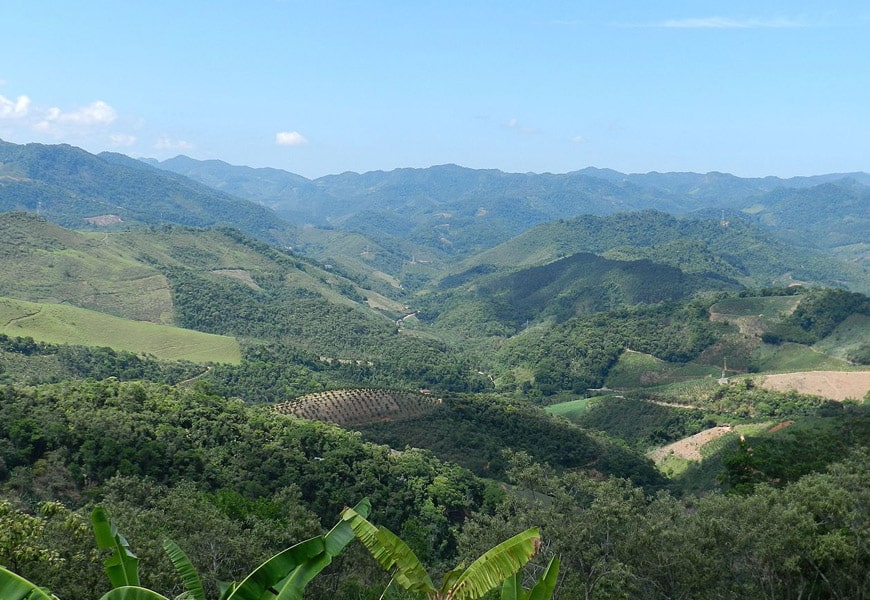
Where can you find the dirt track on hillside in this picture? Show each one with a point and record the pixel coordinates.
(836, 385)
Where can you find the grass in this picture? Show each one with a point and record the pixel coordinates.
(63, 324)
(789, 357)
(572, 409)
(635, 369)
(850, 335)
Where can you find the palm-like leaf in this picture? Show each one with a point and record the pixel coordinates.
(546, 585)
(390, 551)
(512, 588)
(333, 542)
(15, 587)
(183, 566)
(132, 592)
(122, 567)
(497, 564)
(274, 571)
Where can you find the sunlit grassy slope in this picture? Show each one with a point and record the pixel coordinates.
(62, 324)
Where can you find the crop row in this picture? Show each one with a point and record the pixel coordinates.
(359, 406)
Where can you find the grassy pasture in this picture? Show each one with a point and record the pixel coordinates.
(63, 324)
(571, 409)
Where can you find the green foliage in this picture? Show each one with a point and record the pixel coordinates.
(641, 424)
(579, 353)
(818, 314)
(474, 431)
(804, 446)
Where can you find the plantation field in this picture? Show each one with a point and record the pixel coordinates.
(359, 406)
(62, 324)
(836, 385)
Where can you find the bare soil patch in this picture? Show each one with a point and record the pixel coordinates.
(690, 448)
(836, 385)
(104, 220)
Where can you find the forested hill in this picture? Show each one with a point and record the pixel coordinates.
(732, 248)
(497, 205)
(80, 190)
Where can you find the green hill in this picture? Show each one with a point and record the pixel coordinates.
(62, 324)
(736, 250)
(77, 189)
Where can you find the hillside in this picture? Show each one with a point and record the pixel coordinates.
(580, 284)
(77, 189)
(733, 249)
(63, 324)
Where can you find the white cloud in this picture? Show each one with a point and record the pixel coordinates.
(579, 139)
(122, 139)
(728, 23)
(290, 138)
(14, 110)
(167, 143)
(94, 114)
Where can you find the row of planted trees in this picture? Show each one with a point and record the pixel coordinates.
(286, 574)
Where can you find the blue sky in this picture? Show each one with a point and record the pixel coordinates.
(751, 88)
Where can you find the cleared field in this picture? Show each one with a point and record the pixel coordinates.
(767, 307)
(690, 447)
(836, 385)
(62, 324)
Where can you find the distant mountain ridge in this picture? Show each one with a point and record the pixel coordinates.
(69, 185)
(455, 210)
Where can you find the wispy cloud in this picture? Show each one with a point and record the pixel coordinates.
(579, 139)
(167, 143)
(122, 140)
(515, 125)
(728, 23)
(290, 138)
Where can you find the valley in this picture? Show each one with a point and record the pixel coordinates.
(633, 363)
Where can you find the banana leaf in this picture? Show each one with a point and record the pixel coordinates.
(132, 592)
(15, 587)
(122, 567)
(185, 569)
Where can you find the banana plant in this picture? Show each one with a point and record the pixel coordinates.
(512, 589)
(486, 573)
(15, 587)
(282, 577)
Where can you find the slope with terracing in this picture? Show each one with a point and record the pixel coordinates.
(362, 406)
